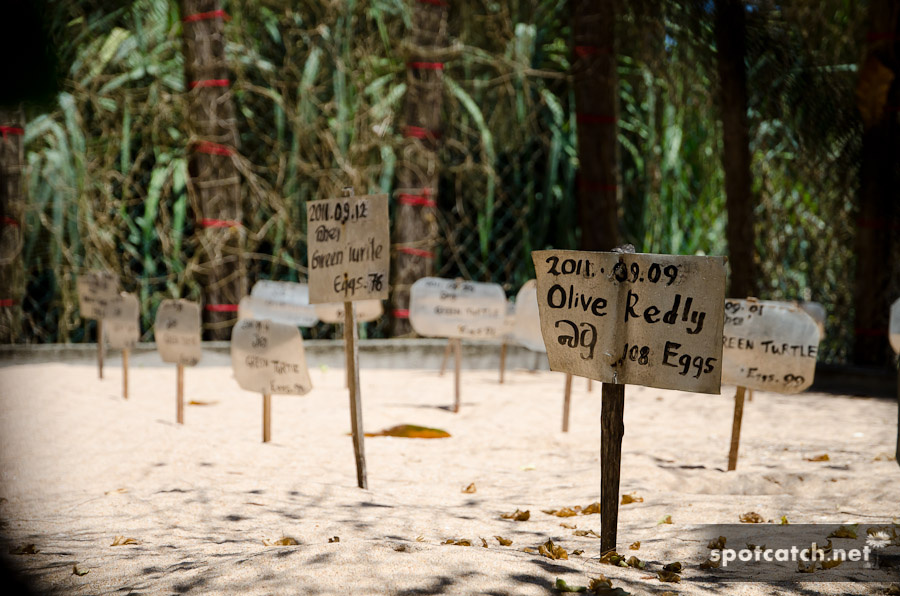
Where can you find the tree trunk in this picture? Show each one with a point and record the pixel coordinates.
(730, 44)
(213, 182)
(415, 230)
(12, 215)
(878, 223)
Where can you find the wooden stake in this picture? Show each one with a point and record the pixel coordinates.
(750, 395)
(267, 418)
(100, 347)
(567, 397)
(457, 349)
(446, 357)
(125, 373)
(502, 361)
(897, 455)
(590, 385)
(179, 403)
(356, 423)
(736, 428)
(612, 427)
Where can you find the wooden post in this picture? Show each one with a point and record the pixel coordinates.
(267, 417)
(567, 397)
(750, 395)
(356, 423)
(590, 385)
(457, 349)
(446, 356)
(736, 428)
(125, 373)
(897, 454)
(502, 361)
(612, 427)
(179, 403)
(100, 347)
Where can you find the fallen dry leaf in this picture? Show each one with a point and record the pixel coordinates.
(118, 491)
(411, 431)
(590, 509)
(635, 563)
(579, 551)
(517, 515)
(197, 402)
(893, 590)
(709, 564)
(420, 538)
(283, 541)
(784, 521)
(469, 489)
(564, 512)
(717, 543)
(831, 563)
(613, 558)
(823, 457)
(25, 549)
(122, 541)
(673, 567)
(79, 572)
(806, 567)
(503, 541)
(602, 586)
(666, 520)
(461, 542)
(334, 539)
(483, 542)
(528, 549)
(631, 498)
(668, 576)
(751, 517)
(562, 586)
(848, 531)
(553, 551)
(635, 545)
(568, 526)
(588, 533)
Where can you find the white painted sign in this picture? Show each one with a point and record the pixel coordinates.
(638, 319)
(769, 346)
(121, 327)
(447, 308)
(279, 301)
(95, 290)
(366, 311)
(268, 358)
(894, 326)
(528, 321)
(177, 331)
(817, 312)
(349, 249)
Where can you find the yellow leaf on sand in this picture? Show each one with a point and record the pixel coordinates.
(823, 457)
(717, 543)
(517, 515)
(668, 576)
(79, 572)
(25, 549)
(503, 541)
(197, 402)
(461, 542)
(587, 533)
(411, 431)
(334, 539)
(283, 541)
(635, 545)
(568, 526)
(564, 512)
(590, 509)
(666, 520)
(631, 498)
(122, 541)
(709, 564)
(579, 551)
(553, 551)
(751, 517)
(469, 489)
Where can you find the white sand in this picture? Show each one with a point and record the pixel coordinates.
(79, 466)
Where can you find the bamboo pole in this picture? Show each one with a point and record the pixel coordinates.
(100, 348)
(457, 349)
(446, 357)
(351, 351)
(736, 428)
(502, 361)
(179, 399)
(567, 397)
(125, 373)
(267, 417)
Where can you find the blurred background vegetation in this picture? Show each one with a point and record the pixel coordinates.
(318, 87)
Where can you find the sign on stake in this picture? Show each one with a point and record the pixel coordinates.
(769, 346)
(177, 331)
(349, 259)
(122, 329)
(643, 319)
(95, 290)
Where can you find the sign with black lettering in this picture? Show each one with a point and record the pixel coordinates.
(769, 346)
(638, 319)
(95, 290)
(279, 301)
(120, 323)
(457, 309)
(528, 321)
(366, 311)
(894, 326)
(177, 331)
(349, 249)
(268, 358)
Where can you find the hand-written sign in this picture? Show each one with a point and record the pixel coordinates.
(447, 308)
(528, 320)
(894, 326)
(366, 311)
(769, 346)
(120, 323)
(177, 331)
(349, 249)
(281, 302)
(95, 290)
(639, 319)
(268, 358)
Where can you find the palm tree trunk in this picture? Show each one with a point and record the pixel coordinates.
(12, 215)
(739, 201)
(415, 230)
(213, 183)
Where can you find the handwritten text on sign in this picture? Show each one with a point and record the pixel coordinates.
(120, 324)
(640, 319)
(446, 308)
(177, 331)
(366, 311)
(268, 358)
(769, 346)
(349, 249)
(95, 291)
(281, 302)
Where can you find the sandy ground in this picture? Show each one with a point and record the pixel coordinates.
(79, 466)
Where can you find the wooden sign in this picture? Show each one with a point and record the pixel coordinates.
(120, 322)
(281, 302)
(348, 248)
(177, 330)
(894, 328)
(528, 321)
(641, 319)
(769, 346)
(95, 290)
(366, 311)
(462, 310)
(268, 358)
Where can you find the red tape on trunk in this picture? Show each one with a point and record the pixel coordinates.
(6, 302)
(212, 148)
(590, 50)
(416, 252)
(418, 132)
(423, 199)
(203, 16)
(401, 313)
(11, 130)
(426, 65)
(221, 307)
(9, 221)
(210, 83)
(434, 2)
(219, 223)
